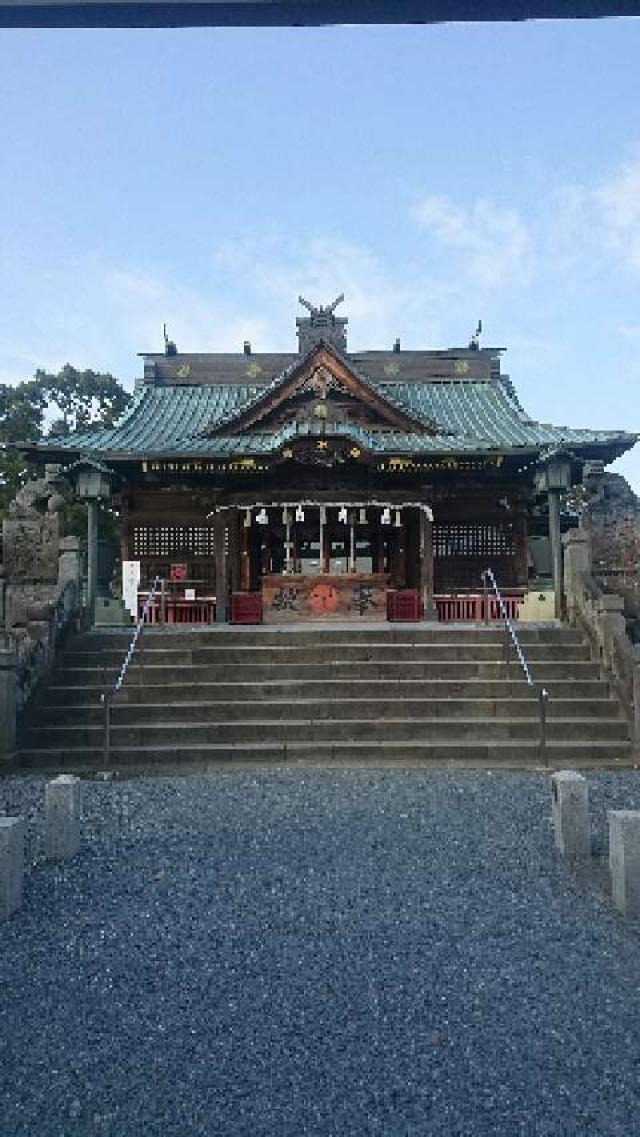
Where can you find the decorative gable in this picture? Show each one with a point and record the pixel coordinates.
(324, 388)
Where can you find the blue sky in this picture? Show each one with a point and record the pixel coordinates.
(433, 174)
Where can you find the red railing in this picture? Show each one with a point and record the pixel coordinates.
(468, 607)
(178, 610)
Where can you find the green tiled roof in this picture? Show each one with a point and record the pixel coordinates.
(473, 416)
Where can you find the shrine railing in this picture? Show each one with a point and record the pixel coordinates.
(110, 694)
(511, 640)
(477, 608)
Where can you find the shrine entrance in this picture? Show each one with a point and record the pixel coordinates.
(323, 560)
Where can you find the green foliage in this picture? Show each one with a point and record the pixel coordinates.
(84, 400)
(69, 400)
(21, 417)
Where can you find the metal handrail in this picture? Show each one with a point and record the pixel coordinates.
(109, 695)
(542, 692)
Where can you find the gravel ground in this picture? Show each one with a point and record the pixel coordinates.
(324, 952)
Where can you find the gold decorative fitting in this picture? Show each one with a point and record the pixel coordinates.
(322, 445)
(287, 452)
(355, 452)
(461, 367)
(253, 370)
(183, 371)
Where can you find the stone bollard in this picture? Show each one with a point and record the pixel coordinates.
(62, 817)
(11, 864)
(624, 859)
(570, 812)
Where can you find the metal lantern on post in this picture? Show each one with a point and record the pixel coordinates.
(92, 484)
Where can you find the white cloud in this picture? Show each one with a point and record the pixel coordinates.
(618, 200)
(381, 301)
(493, 241)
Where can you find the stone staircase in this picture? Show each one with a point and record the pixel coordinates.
(393, 693)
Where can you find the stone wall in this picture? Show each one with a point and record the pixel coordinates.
(611, 518)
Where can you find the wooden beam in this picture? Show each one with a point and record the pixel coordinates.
(220, 527)
(426, 566)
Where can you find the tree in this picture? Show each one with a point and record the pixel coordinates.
(21, 417)
(85, 400)
(77, 400)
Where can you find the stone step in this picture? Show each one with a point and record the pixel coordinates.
(255, 655)
(344, 730)
(456, 754)
(318, 689)
(134, 713)
(159, 638)
(363, 669)
(388, 693)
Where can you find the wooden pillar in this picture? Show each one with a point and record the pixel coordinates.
(378, 548)
(323, 548)
(234, 550)
(399, 561)
(556, 548)
(220, 528)
(521, 550)
(124, 527)
(426, 566)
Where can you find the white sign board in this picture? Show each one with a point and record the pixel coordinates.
(130, 585)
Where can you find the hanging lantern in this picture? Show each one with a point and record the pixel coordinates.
(397, 522)
(342, 514)
(299, 513)
(247, 519)
(363, 517)
(386, 516)
(262, 518)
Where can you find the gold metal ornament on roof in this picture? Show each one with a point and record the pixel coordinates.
(183, 371)
(392, 369)
(461, 367)
(253, 370)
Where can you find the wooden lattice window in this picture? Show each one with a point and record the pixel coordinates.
(171, 540)
(478, 539)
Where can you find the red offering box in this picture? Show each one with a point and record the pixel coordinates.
(403, 604)
(246, 608)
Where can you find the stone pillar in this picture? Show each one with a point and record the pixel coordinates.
(3, 599)
(624, 860)
(8, 698)
(553, 498)
(577, 564)
(219, 531)
(92, 557)
(11, 864)
(426, 566)
(62, 817)
(612, 626)
(570, 813)
(636, 695)
(69, 568)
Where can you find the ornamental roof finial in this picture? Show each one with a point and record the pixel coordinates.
(321, 323)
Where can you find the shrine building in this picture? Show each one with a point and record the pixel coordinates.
(327, 483)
